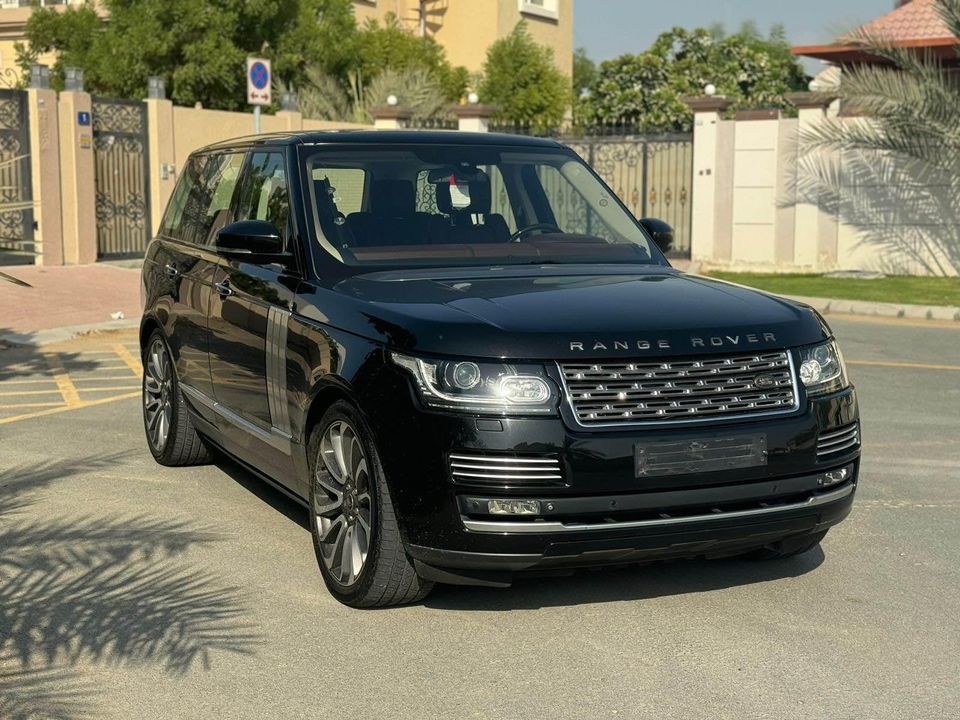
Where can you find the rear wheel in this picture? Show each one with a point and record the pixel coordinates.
(355, 533)
(170, 433)
(787, 548)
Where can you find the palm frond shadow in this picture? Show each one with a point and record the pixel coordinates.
(109, 589)
(903, 209)
(19, 361)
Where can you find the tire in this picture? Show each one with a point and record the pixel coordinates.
(164, 408)
(787, 548)
(354, 527)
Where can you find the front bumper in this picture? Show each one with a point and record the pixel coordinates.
(602, 512)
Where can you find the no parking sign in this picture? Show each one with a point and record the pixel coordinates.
(258, 82)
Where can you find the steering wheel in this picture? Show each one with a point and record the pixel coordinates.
(530, 228)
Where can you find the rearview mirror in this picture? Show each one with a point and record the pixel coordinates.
(661, 233)
(250, 239)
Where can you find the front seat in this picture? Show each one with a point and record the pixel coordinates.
(392, 219)
(493, 228)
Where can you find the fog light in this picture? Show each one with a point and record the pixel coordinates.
(832, 477)
(513, 507)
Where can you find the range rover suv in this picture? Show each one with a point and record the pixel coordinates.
(469, 362)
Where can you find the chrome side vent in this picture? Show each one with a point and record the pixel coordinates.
(836, 441)
(501, 471)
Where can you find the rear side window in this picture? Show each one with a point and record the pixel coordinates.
(263, 192)
(202, 199)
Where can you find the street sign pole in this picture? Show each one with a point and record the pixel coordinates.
(258, 88)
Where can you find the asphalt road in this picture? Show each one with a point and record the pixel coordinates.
(131, 590)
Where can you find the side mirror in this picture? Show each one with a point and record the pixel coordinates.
(661, 233)
(250, 239)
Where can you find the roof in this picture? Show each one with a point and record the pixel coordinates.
(387, 137)
(916, 24)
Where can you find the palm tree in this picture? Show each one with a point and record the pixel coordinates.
(895, 173)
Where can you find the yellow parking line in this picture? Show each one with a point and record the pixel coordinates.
(891, 363)
(65, 408)
(43, 379)
(60, 377)
(29, 405)
(30, 392)
(115, 387)
(129, 359)
(97, 378)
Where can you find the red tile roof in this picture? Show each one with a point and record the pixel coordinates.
(917, 20)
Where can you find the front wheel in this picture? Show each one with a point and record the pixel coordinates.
(354, 527)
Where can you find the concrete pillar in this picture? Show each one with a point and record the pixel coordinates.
(290, 120)
(162, 156)
(706, 113)
(815, 233)
(474, 117)
(391, 117)
(77, 186)
(45, 174)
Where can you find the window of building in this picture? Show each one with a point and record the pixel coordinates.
(540, 8)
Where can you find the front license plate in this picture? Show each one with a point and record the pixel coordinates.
(686, 457)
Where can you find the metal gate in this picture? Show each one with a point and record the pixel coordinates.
(653, 176)
(122, 171)
(16, 190)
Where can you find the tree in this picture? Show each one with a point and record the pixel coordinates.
(584, 71)
(521, 79)
(198, 46)
(647, 89)
(389, 46)
(896, 175)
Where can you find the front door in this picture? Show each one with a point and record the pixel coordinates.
(248, 318)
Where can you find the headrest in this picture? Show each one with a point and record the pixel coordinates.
(479, 188)
(393, 198)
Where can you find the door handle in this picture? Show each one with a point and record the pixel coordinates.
(223, 288)
(171, 270)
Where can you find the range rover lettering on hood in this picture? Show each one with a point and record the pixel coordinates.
(743, 340)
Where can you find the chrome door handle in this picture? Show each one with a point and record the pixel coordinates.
(171, 270)
(223, 288)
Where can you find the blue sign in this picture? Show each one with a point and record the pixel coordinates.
(259, 75)
(83, 118)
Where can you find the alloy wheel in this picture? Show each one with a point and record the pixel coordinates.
(342, 502)
(158, 394)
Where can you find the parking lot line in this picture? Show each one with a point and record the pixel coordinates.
(128, 358)
(19, 393)
(65, 408)
(62, 379)
(895, 364)
(31, 405)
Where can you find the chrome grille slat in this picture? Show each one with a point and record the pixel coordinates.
(500, 471)
(701, 389)
(836, 441)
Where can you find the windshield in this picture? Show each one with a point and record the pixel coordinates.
(442, 205)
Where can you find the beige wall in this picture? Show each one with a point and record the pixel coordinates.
(466, 28)
(763, 202)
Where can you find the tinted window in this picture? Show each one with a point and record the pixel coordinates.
(200, 203)
(263, 195)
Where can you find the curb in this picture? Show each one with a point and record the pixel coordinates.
(833, 306)
(62, 334)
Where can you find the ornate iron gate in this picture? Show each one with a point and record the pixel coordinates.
(653, 176)
(122, 171)
(16, 191)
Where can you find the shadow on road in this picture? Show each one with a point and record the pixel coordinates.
(678, 577)
(21, 360)
(107, 589)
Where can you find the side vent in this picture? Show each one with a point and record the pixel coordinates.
(490, 470)
(837, 441)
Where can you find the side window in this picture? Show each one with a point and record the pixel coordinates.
(201, 200)
(263, 194)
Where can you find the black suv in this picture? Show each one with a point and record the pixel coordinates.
(468, 360)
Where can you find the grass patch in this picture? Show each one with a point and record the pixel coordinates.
(895, 289)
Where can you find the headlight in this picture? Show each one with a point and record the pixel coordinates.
(481, 387)
(822, 369)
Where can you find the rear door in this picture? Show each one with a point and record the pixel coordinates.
(248, 322)
(186, 265)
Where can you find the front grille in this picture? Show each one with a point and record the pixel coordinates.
(504, 471)
(836, 441)
(702, 389)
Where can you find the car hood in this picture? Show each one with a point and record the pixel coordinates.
(557, 313)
